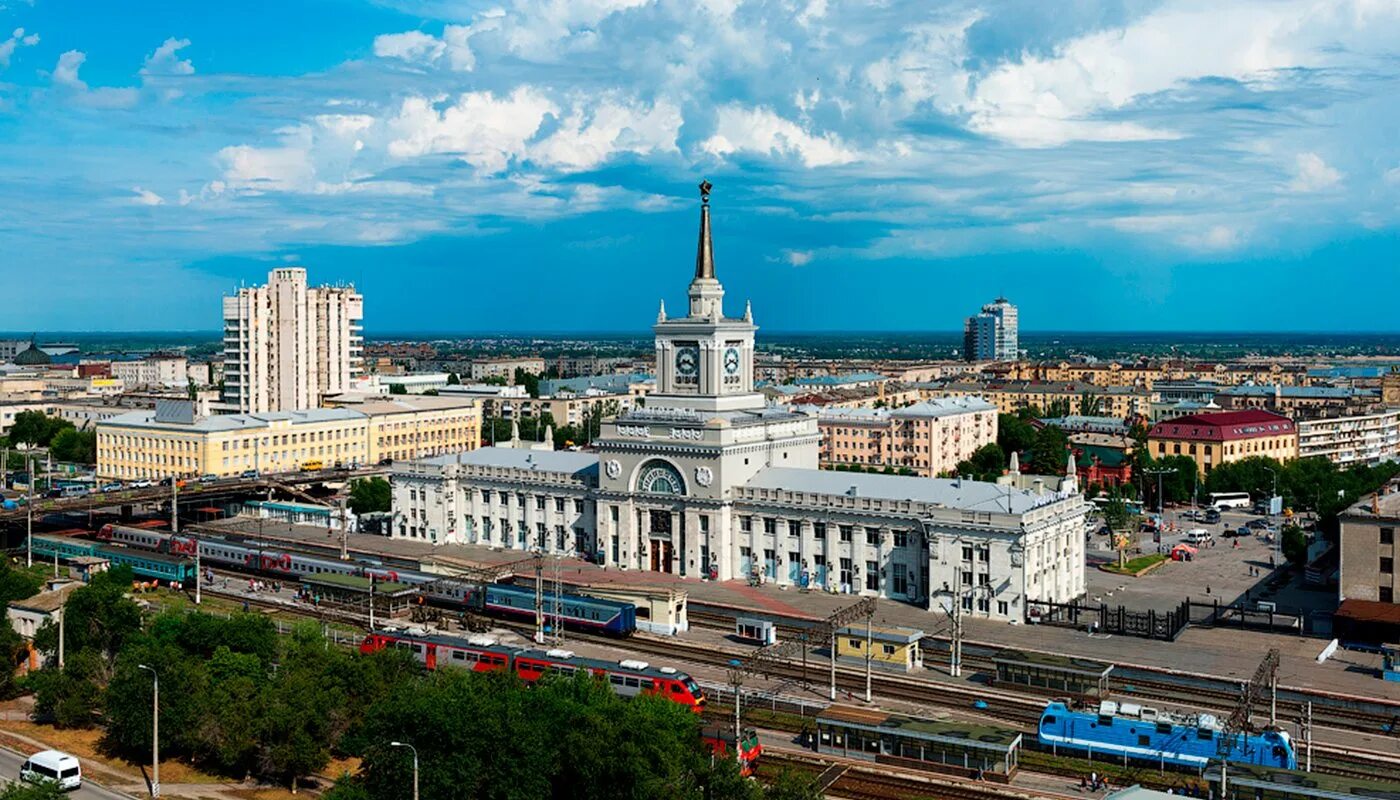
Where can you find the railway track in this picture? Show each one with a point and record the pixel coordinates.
(1326, 710)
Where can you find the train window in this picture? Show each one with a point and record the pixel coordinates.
(647, 685)
(1047, 722)
(1164, 727)
(1204, 734)
(458, 655)
(1106, 720)
(616, 680)
(1143, 740)
(631, 682)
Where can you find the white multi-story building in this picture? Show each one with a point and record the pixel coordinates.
(158, 370)
(1359, 439)
(992, 335)
(708, 482)
(506, 367)
(286, 344)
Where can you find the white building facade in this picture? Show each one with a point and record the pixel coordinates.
(708, 482)
(154, 371)
(994, 334)
(286, 344)
(1358, 439)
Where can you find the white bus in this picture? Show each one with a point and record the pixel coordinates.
(1223, 500)
(51, 766)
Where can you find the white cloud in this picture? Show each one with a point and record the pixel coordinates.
(1392, 176)
(760, 130)
(287, 167)
(1071, 94)
(165, 61)
(66, 71)
(1216, 237)
(17, 39)
(146, 197)
(423, 49)
(595, 131)
(1313, 174)
(798, 258)
(481, 129)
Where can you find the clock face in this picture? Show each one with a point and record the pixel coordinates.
(687, 360)
(731, 360)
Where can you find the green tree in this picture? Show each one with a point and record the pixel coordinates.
(31, 791)
(985, 464)
(792, 785)
(1050, 451)
(36, 428)
(1089, 404)
(397, 388)
(529, 380)
(1295, 545)
(12, 651)
(184, 691)
(368, 495)
(453, 380)
(17, 584)
(97, 617)
(430, 392)
(71, 697)
(72, 445)
(1014, 435)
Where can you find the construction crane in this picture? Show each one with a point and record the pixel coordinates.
(765, 660)
(1251, 695)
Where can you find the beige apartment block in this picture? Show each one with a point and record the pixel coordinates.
(1367, 547)
(286, 345)
(929, 438)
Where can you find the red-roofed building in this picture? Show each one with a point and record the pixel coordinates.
(1218, 438)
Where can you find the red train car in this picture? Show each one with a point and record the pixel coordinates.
(483, 654)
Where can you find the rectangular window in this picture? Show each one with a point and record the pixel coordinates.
(872, 576)
(846, 533)
(984, 554)
(901, 538)
(770, 526)
(578, 506)
(746, 524)
(819, 531)
(794, 528)
(967, 552)
(539, 503)
(845, 572)
(901, 579)
(1001, 607)
(559, 504)
(888, 650)
(872, 536)
(1387, 565)
(1387, 536)
(1387, 594)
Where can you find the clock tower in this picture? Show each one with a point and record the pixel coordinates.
(668, 470)
(704, 360)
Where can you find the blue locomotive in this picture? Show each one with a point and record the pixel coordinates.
(1128, 729)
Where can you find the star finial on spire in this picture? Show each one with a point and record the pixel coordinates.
(705, 187)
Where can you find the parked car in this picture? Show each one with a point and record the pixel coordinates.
(1212, 516)
(210, 478)
(249, 473)
(115, 486)
(142, 483)
(1258, 525)
(1198, 535)
(1235, 533)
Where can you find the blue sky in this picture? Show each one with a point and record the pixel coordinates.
(887, 165)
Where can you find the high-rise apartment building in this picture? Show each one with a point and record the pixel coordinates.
(286, 344)
(992, 335)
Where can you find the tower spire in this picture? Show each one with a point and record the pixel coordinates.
(705, 251)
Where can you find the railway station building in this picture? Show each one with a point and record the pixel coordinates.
(708, 481)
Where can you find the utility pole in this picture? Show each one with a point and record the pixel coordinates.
(539, 595)
(345, 532)
(955, 647)
(174, 504)
(60, 639)
(198, 571)
(155, 731)
(1159, 472)
(1307, 735)
(869, 645)
(371, 602)
(29, 514)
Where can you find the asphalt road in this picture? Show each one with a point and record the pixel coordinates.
(10, 762)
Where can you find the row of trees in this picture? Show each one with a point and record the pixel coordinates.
(240, 701)
(65, 442)
(533, 428)
(1044, 451)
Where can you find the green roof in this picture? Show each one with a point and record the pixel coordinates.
(1064, 663)
(1320, 784)
(355, 582)
(961, 732)
(1108, 456)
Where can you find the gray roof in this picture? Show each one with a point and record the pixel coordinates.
(568, 461)
(145, 418)
(946, 492)
(1312, 392)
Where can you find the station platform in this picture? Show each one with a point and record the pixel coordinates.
(1217, 652)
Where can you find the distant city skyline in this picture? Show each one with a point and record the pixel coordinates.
(1107, 166)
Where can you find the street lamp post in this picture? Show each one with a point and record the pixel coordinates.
(155, 730)
(415, 764)
(29, 514)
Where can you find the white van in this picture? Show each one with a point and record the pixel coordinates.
(51, 766)
(1198, 536)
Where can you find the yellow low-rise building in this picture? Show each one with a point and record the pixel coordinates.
(172, 440)
(890, 648)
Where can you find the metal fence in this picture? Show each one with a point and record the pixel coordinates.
(1100, 618)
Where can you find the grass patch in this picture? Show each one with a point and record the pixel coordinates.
(1136, 565)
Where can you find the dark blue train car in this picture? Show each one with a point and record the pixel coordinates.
(1159, 737)
(580, 613)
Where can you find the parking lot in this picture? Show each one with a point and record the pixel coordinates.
(1227, 569)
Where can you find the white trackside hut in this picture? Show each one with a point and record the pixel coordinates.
(52, 766)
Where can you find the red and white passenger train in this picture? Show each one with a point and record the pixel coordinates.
(484, 654)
